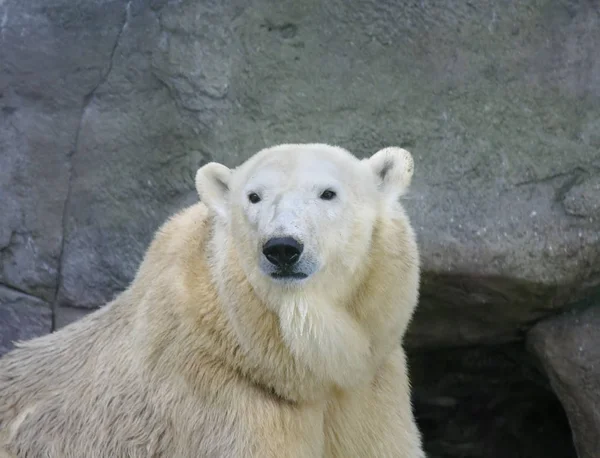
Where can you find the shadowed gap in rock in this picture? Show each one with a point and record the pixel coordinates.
(487, 402)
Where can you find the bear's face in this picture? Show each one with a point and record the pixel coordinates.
(303, 213)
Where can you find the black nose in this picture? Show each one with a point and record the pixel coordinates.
(282, 251)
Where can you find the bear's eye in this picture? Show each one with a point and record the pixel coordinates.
(328, 194)
(254, 198)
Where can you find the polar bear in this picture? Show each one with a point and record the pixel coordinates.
(264, 321)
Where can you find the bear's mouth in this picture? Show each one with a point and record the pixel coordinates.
(287, 274)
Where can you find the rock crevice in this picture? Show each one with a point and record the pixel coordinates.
(87, 100)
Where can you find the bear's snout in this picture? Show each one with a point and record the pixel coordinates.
(282, 252)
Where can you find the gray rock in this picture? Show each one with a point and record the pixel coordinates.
(33, 186)
(63, 316)
(583, 199)
(22, 317)
(114, 105)
(498, 160)
(53, 53)
(168, 80)
(569, 350)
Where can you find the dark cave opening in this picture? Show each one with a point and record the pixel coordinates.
(487, 402)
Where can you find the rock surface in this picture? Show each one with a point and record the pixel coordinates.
(22, 317)
(108, 107)
(569, 350)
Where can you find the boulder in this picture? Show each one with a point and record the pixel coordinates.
(53, 55)
(568, 348)
(107, 108)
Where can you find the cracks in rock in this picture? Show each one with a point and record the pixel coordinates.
(191, 94)
(90, 95)
(21, 292)
(87, 99)
(570, 179)
(577, 171)
(63, 230)
(11, 241)
(576, 177)
(184, 110)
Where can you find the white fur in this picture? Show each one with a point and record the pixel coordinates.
(212, 183)
(289, 180)
(205, 354)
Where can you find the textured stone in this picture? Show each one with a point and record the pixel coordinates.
(143, 135)
(498, 103)
(495, 101)
(22, 317)
(63, 316)
(53, 55)
(569, 350)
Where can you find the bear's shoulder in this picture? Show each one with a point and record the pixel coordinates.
(186, 228)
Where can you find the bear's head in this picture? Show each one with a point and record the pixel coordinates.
(301, 216)
(320, 238)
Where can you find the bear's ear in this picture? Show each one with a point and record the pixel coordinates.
(393, 168)
(212, 185)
